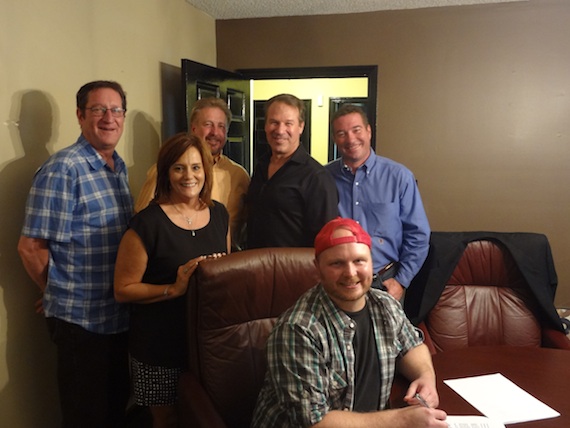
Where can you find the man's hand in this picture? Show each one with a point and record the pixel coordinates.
(35, 254)
(426, 389)
(406, 417)
(394, 288)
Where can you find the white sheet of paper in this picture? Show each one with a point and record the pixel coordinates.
(500, 399)
(472, 422)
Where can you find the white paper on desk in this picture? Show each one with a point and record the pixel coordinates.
(472, 422)
(500, 399)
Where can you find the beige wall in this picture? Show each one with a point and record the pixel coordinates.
(474, 99)
(48, 49)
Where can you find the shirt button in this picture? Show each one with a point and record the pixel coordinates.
(348, 347)
(357, 183)
(357, 203)
(351, 325)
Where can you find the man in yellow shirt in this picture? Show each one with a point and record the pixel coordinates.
(209, 120)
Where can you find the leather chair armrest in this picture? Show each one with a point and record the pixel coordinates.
(427, 338)
(195, 409)
(554, 339)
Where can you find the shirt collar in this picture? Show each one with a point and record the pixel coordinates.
(95, 160)
(299, 155)
(367, 165)
(333, 310)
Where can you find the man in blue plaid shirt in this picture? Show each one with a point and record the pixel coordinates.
(331, 358)
(76, 213)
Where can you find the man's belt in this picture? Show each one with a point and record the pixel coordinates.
(387, 272)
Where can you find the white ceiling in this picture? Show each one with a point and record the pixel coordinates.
(236, 9)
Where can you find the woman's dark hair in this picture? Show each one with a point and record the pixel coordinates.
(169, 153)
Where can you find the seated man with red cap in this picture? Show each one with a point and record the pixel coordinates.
(331, 358)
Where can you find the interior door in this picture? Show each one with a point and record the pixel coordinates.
(369, 71)
(201, 81)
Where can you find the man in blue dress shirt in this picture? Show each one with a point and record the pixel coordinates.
(382, 195)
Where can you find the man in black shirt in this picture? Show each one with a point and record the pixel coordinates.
(291, 196)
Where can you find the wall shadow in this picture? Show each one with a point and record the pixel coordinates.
(30, 395)
(173, 99)
(145, 145)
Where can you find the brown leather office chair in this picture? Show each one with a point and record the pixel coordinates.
(488, 298)
(232, 306)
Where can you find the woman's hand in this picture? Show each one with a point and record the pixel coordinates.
(215, 255)
(183, 274)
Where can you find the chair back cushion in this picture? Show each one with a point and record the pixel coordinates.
(485, 302)
(233, 303)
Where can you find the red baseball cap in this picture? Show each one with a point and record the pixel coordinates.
(324, 239)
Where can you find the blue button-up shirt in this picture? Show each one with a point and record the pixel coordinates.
(384, 198)
(82, 208)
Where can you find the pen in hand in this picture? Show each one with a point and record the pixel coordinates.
(421, 400)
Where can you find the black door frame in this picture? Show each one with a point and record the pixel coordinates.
(368, 71)
(201, 80)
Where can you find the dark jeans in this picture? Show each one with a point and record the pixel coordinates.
(92, 374)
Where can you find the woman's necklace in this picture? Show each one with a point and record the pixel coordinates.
(188, 219)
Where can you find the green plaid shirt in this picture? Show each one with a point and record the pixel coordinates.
(310, 358)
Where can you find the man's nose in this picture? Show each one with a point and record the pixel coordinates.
(350, 136)
(280, 128)
(216, 130)
(108, 116)
(350, 270)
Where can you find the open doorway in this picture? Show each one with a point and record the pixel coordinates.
(327, 88)
(196, 77)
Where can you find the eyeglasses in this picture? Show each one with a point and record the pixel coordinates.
(101, 111)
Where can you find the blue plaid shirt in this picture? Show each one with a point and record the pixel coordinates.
(82, 208)
(310, 358)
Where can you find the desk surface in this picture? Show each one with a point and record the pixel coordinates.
(542, 372)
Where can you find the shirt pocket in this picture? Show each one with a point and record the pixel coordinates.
(386, 217)
(337, 389)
